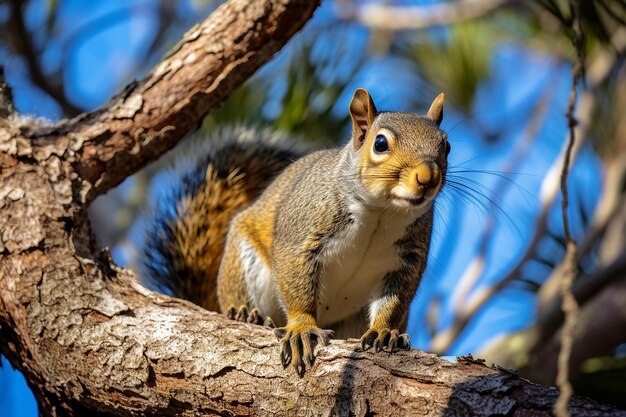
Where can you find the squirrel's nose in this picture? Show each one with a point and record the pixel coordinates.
(428, 174)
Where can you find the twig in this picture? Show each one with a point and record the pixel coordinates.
(379, 16)
(569, 305)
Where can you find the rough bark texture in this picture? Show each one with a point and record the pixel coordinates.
(91, 341)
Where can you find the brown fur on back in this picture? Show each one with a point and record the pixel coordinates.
(183, 251)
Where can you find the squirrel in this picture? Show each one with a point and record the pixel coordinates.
(333, 241)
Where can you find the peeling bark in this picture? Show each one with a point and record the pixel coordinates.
(91, 341)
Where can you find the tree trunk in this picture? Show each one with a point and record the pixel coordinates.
(91, 341)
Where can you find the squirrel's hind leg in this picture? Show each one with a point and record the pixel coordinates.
(232, 289)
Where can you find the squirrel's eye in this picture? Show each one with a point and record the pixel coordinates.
(380, 144)
(447, 148)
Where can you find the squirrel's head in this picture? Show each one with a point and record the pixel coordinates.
(401, 158)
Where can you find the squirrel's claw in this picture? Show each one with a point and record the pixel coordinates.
(285, 352)
(242, 314)
(399, 341)
(382, 340)
(231, 313)
(253, 316)
(296, 346)
(268, 322)
(385, 338)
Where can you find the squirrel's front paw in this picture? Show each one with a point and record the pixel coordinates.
(297, 343)
(385, 338)
(253, 316)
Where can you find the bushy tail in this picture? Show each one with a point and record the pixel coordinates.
(186, 229)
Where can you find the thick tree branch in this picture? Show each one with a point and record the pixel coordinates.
(152, 115)
(91, 340)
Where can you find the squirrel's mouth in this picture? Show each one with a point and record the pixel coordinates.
(411, 201)
(415, 201)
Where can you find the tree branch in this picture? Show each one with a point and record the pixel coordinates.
(119, 348)
(386, 17)
(569, 304)
(150, 116)
(90, 340)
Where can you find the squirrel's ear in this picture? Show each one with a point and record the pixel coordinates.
(362, 111)
(436, 109)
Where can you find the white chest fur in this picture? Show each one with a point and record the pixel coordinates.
(356, 261)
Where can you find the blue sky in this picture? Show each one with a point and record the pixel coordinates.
(110, 54)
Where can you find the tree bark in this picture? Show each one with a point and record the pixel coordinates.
(90, 340)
